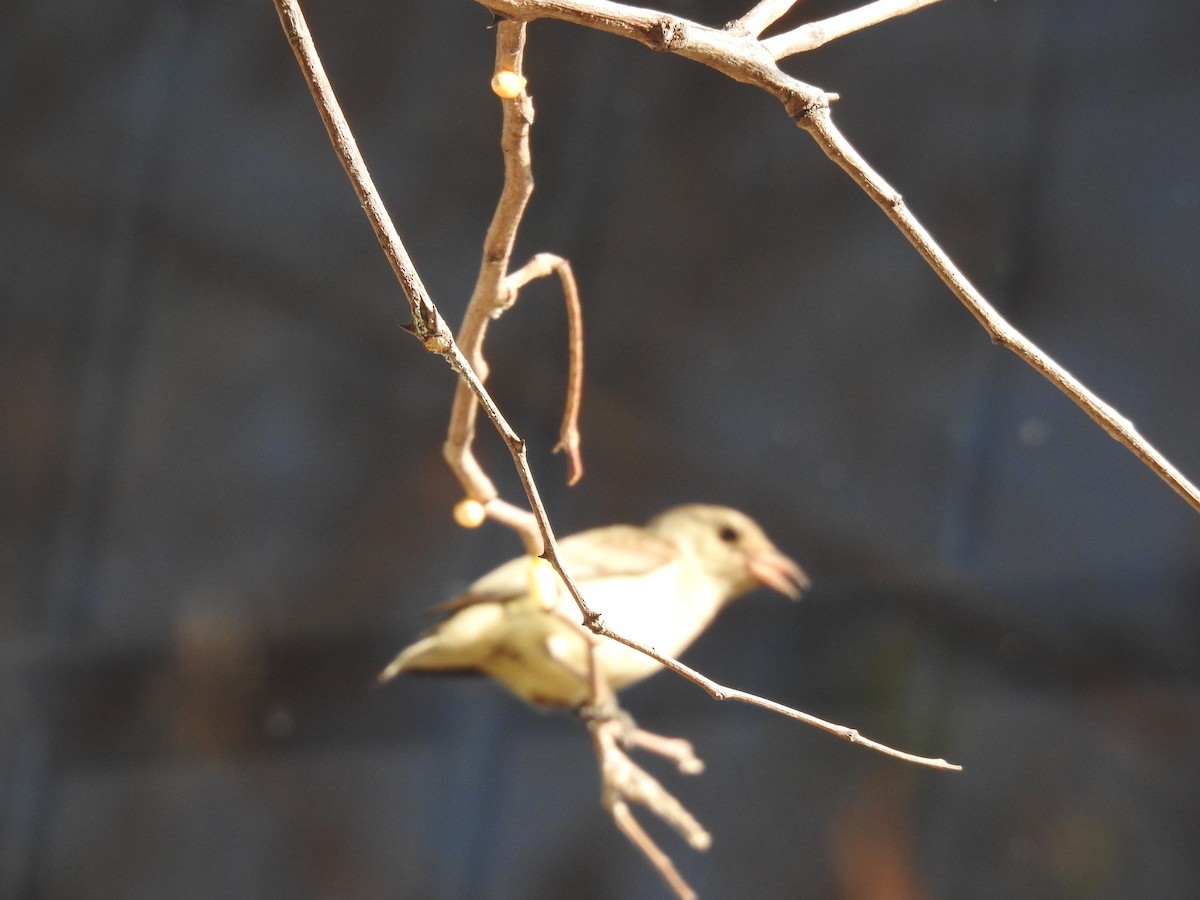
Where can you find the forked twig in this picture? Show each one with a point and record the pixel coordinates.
(518, 185)
(568, 433)
(743, 57)
(427, 323)
(738, 52)
(625, 782)
(496, 290)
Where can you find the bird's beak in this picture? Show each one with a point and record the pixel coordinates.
(778, 572)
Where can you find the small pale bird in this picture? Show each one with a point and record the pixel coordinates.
(661, 585)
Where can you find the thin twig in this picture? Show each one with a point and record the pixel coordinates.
(632, 829)
(624, 782)
(496, 290)
(677, 750)
(593, 621)
(741, 57)
(761, 17)
(489, 291)
(720, 692)
(833, 142)
(427, 323)
(744, 58)
(621, 779)
(568, 433)
(632, 782)
(817, 34)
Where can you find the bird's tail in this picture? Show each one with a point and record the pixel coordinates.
(405, 660)
(458, 644)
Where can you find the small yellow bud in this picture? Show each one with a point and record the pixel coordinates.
(469, 513)
(508, 84)
(543, 583)
(438, 342)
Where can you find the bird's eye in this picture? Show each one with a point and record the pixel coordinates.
(728, 534)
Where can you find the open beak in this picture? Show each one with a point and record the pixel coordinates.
(778, 572)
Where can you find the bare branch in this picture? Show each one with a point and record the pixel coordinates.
(833, 142)
(490, 295)
(745, 59)
(764, 14)
(737, 52)
(739, 56)
(495, 291)
(568, 434)
(623, 782)
(539, 531)
(720, 692)
(677, 750)
(624, 778)
(533, 526)
(633, 830)
(594, 622)
(427, 323)
(817, 34)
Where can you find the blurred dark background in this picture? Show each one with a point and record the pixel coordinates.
(223, 505)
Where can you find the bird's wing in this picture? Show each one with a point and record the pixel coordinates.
(615, 551)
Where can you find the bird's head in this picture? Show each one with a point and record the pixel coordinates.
(730, 546)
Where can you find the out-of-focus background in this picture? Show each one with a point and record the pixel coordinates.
(223, 505)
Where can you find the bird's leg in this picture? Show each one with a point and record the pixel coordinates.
(594, 714)
(600, 696)
(558, 649)
(602, 706)
(623, 781)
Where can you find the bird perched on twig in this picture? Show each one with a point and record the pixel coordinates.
(661, 585)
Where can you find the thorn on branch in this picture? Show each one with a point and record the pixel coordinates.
(428, 327)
